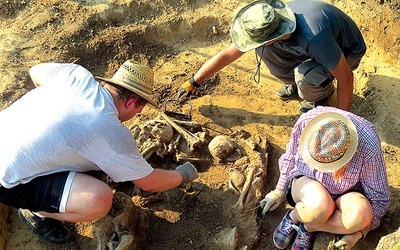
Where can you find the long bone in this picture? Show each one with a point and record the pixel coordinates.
(254, 172)
(184, 157)
(251, 170)
(191, 139)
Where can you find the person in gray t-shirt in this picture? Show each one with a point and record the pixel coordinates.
(75, 128)
(304, 43)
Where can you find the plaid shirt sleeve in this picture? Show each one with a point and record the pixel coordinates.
(287, 161)
(373, 176)
(286, 165)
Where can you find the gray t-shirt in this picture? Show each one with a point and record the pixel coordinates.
(323, 32)
(69, 123)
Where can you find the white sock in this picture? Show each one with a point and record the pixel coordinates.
(39, 214)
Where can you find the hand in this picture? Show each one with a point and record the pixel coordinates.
(348, 241)
(188, 172)
(272, 200)
(186, 90)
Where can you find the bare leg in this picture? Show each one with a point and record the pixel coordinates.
(353, 213)
(313, 202)
(88, 199)
(315, 208)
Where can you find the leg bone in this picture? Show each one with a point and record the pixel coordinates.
(191, 139)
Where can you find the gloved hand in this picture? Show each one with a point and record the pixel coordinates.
(348, 241)
(188, 172)
(186, 89)
(272, 200)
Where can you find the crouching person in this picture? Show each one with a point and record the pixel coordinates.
(333, 175)
(71, 124)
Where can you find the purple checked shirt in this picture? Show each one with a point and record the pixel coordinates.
(366, 169)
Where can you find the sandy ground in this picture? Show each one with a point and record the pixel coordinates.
(175, 38)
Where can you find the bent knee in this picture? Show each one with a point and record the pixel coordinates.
(356, 219)
(314, 204)
(318, 213)
(103, 200)
(356, 211)
(99, 203)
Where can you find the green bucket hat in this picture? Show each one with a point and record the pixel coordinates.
(260, 22)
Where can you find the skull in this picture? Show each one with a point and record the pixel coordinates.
(221, 146)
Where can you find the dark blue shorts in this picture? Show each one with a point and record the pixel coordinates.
(43, 193)
(289, 196)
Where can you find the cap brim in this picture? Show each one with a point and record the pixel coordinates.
(243, 41)
(348, 155)
(141, 94)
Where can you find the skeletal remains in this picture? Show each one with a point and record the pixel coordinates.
(153, 137)
(120, 229)
(246, 178)
(221, 146)
(157, 136)
(165, 136)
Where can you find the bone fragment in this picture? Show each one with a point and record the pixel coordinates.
(193, 126)
(192, 140)
(251, 169)
(125, 242)
(173, 145)
(227, 239)
(185, 158)
(152, 136)
(237, 178)
(148, 152)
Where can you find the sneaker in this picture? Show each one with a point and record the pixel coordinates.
(304, 239)
(285, 232)
(307, 106)
(48, 229)
(287, 92)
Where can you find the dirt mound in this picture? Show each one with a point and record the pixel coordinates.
(175, 38)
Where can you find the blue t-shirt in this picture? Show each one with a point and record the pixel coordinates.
(323, 32)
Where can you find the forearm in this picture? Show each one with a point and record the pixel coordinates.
(209, 68)
(345, 83)
(217, 62)
(159, 180)
(283, 183)
(345, 92)
(286, 163)
(374, 180)
(287, 160)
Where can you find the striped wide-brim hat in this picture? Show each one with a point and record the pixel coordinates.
(328, 142)
(135, 77)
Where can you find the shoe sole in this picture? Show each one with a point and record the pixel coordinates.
(303, 111)
(65, 240)
(281, 247)
(287, 98)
